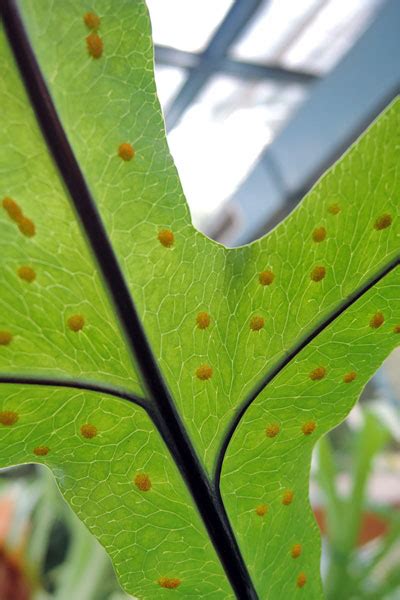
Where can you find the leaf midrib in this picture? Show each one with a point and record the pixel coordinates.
(77, 384)
(298, 347)
(163, 412)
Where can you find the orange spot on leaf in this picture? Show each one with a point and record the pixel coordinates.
(142, 482)
(257, 323)
(204, 372)
(26, 273)
(8, 417)
(334, 209)
(318, 373)
(94, 45)
(76, 322)
(319, 234)
(377, 320)
(261, 510)
(41, 450)
(287, 497)
(13, 209)
(383, 222)
(301, 580)
(296, 550)
(27, 227)
(126, 151)
(309, 427)
(88, 430)
(318, 273)
(272, 430)
(91, 20)
(5, 338)
(203, 320)
(266, 277)
(169, 582)
(349, 377)
(166, 238)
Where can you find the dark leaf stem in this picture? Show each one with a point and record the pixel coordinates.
(289, 356)
(76, 384)
(164, 413)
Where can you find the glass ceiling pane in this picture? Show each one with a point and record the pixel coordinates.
(186, 24)
(271, 27)
(330, 35)
(168, 81)
(308, 35)
(221, 136)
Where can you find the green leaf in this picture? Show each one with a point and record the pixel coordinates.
(151, 406)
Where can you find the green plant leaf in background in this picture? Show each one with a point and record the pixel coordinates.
(175, 388)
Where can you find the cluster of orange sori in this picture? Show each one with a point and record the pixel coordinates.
(26, 272)
(257, 322)
(10, 417)
(287, 498)
(296, 549)
(94, 42)
(89, 431)
(14, 211)
(169, 582)
(27, 228)
(95, 47)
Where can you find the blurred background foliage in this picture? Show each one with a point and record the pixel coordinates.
(45, 551)
(355, 492)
